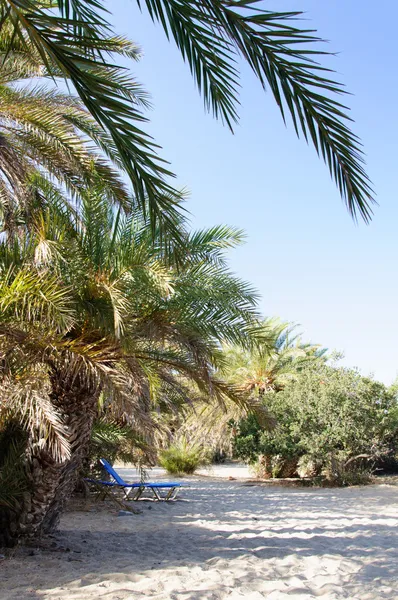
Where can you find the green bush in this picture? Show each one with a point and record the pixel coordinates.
(344, 477)
(182, 458)
(327, 420)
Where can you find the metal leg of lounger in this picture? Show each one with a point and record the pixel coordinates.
(176, 491)
(127, 492)
(139, 492)
(170, 495)
(133, 493)
(107, 492)
(156, 493)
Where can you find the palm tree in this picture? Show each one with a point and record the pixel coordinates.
(73, 39)
(269, 368)
(93, 306)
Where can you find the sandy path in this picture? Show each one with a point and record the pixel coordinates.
(223, 539)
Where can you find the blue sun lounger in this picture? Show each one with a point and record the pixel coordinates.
(128, 488)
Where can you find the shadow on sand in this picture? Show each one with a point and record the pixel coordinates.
(209, 527)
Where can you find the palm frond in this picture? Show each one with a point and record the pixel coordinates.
(29, 296)
(269, 366)
(42, 125)
(28, 400)
(75, 42)
(213, 34)
(210, 244)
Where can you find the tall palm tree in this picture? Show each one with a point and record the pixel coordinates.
(92, 305)
(74, 39)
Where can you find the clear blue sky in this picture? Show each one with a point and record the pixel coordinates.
(310, 262)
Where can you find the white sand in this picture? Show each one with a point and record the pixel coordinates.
(223, 539)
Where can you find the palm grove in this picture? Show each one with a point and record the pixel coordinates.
(109, 303)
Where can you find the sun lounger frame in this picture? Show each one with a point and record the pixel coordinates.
(134, 491)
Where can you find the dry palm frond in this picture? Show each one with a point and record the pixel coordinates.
(28, 401)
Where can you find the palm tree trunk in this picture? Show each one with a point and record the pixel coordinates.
(51, 482)
(79, 416)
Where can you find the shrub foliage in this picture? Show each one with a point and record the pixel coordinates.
(331, 421)
(182, 458)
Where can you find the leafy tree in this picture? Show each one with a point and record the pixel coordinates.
(73, 39)
(332, 416)
(394, 388)
(276, 358)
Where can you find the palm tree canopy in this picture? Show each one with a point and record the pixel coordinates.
(73, 38)
(90, 294)
(268, 367)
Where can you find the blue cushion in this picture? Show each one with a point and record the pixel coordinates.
(122, 483)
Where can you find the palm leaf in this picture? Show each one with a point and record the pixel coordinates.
(27, 400)
(213, 34)
(75, 43)
(30, 297)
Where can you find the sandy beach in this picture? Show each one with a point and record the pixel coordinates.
(222, 539)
